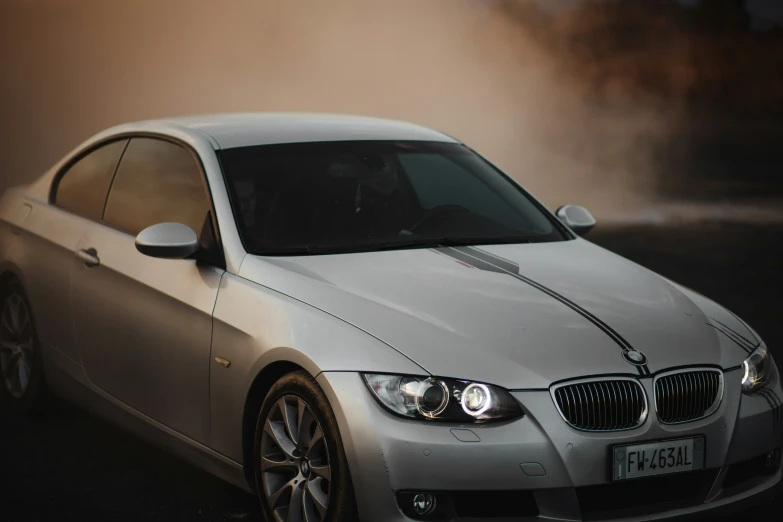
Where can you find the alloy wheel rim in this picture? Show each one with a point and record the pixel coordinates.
(295, 468)
(16, 346)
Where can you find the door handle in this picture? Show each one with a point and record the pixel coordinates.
(89, 256)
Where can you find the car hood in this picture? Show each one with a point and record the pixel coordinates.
(520, 316)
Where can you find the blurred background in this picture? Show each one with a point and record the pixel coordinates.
(663, 117)
(627, 107)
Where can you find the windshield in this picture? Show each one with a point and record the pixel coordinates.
(312, 198)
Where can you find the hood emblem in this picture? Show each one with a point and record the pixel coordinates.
(635, 357)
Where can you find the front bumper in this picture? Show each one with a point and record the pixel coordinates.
(541, 454)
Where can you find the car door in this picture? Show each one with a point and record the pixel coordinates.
(53, 230)
(144, 325)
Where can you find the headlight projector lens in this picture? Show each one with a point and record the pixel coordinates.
(476, 399)
(432, 399)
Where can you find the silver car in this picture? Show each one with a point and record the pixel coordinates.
(359, 319)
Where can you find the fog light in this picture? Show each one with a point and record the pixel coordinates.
(423, 503)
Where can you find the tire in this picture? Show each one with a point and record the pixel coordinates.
(297, 446)
(22, 386)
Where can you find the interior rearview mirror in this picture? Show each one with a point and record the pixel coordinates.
(168, 241)
(576, 218)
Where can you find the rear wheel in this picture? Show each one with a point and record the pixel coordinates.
(301, 471)
(21, 365)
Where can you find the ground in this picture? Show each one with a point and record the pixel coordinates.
(68, 465)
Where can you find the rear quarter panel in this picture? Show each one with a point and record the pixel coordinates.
(13, 213)
(37, 244)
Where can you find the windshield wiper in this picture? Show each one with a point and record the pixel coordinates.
(466, 241)
(424, 242)
(343, 249)
(449, 241)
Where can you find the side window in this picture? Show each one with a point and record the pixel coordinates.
(157, 181)
(82, 188)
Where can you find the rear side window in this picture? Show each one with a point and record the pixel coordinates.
(83, 187)
(156, 182)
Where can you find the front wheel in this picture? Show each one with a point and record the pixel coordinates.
(301, 471)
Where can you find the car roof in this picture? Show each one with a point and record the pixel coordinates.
(247, 129)
(230, 130)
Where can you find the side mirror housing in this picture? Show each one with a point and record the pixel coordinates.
(168, 241)
(576, 218)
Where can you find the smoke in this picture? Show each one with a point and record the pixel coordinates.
(72, 68)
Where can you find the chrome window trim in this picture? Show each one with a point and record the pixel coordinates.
(715, 405)
(640, 422)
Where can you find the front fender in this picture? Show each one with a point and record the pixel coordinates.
(255, 326)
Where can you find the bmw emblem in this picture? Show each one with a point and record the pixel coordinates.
(635, 357)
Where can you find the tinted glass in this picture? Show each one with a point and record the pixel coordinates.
(356, 196)
(437, 181)
(82, 189)
(156, 182)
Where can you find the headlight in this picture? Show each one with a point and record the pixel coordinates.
(756, 369)
(439, 399)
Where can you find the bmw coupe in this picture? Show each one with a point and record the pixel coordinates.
(361, 319)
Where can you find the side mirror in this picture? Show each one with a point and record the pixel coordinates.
(168, 241)
(576, 218)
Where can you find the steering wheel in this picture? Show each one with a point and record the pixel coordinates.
(440, 210)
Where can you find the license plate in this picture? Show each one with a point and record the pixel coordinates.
(657, 458)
